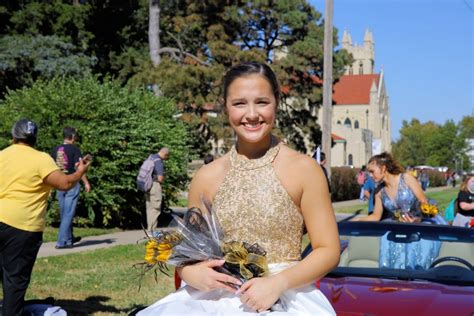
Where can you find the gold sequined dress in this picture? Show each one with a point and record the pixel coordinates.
(253, 206)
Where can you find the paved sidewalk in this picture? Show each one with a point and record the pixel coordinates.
(94, 242)
(105, 241)
(134, 236)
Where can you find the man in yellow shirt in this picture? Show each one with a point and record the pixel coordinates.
(26, 178)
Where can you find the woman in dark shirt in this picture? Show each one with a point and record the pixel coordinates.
(465, 204)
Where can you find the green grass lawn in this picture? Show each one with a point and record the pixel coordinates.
(100, 282)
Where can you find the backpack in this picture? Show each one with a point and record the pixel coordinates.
(361, 178)
(144, 178)
(451, 210)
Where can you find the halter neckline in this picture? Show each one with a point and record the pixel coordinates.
(239, 162)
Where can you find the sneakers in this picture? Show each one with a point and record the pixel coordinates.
(74, 240)
(64, 247)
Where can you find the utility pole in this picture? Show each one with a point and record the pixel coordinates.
(327, 84)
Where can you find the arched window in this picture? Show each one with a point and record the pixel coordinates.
(361, 69)
(356, 124)
(349, 158)
(347, 123)
(338, 122)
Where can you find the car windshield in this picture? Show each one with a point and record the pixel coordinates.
(436, 253)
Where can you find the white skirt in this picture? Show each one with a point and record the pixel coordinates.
(462, 220)
(305, 300)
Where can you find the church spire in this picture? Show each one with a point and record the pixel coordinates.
(368, 37)
(346, 40)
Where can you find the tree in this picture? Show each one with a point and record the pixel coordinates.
(467, 126)
(48, 18)
(103, 29)
(24, 59)
(213, 35)
(196, 41)
(429, 144)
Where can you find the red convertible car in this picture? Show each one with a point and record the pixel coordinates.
(438, 281)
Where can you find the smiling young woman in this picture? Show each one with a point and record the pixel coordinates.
(251, 107)
(262, 192)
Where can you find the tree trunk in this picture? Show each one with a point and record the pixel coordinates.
(154, 32)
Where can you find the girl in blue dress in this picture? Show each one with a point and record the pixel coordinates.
(398, 200)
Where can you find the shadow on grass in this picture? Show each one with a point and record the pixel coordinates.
(94, 304)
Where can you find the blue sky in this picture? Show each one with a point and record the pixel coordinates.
(426, 48)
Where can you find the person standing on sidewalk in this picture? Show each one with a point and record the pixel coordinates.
(154, 197)
(361, 178)
(26, 178)
(67, 155)
(424, 179)
(369, 193)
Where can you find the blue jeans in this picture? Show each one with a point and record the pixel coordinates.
(67, 207)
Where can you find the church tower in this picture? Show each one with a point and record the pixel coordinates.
(361, 111)
(364, 55)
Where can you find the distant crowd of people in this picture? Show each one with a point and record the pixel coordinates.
(460, 211)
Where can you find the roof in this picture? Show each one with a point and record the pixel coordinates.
(337, 138)
(354, 89)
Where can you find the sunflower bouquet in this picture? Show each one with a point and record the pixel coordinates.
(426, 211)
(198, 237)
(429, 209)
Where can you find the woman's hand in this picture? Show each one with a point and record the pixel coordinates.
(203, 277)
(407, 218)
(261, 293)
(83, 164)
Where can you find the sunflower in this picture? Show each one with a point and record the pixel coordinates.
(429, 209)
(159, 249)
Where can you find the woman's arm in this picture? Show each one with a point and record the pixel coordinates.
(464, 198)
(377, 211)
(87, 185)
(465, 206)
(316, 207)
(61, 181)
(415, 186)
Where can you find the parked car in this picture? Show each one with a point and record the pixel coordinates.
(359, 286)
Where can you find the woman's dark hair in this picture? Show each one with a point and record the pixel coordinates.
(385, 159)
(250, 68)
(25, 131)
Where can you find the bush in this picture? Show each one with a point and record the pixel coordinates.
(120, 128)
(343, 184)
(436, 178)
